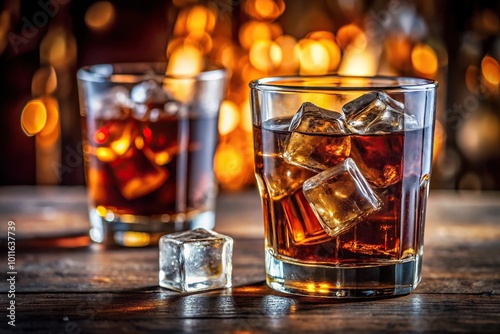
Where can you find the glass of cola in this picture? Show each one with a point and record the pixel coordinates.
(343, 167)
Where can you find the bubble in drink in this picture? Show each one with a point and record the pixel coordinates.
(341, 197)
(195, 260)
(376, 112)
(317, 139)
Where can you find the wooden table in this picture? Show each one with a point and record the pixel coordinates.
(73, 288)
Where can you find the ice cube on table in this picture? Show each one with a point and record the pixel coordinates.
(340, 197)
(319, 138)
(195, 260)
(377, 112)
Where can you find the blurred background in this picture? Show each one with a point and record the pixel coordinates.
(44, 42)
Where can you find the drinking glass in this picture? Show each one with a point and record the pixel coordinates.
(343, 166)
(149, 142)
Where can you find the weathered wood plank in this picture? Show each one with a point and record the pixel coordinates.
(257, 308)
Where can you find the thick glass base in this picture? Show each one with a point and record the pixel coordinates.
(361, 281)
(141, 231)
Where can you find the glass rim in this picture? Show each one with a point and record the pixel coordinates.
(326, 82)
(135, 72)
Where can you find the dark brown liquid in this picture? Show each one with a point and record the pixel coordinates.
(395, 166)
(144, 167)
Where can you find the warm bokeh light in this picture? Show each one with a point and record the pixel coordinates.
(266, 10)
(229, 117)
(58, 48)
(33, 117)
(351, 35)
(253, 31)
(490, 70)
(472, 78)
(359, 62)
(265, 55)
(229, 166)
(100, 15)
(424, 60)
(314, 58)
(289, 53)
(200, 19)
(52, 109)
(246, 116)
(44, 81)
(185, 60)
(439, 140)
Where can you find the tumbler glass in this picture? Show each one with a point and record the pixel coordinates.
(343, 167)
(149, 144)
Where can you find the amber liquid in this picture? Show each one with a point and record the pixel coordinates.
(143, 167)
(397, 170)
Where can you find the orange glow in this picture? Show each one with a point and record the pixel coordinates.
(185, 60)
(265, 55)
(33, 117)
(321, 34)
(351, 34)
(47, 140)
(398, 51)
(490, 70)
(100, 15)
(439, 140)
(52, 109)
(253, 31)
(181, 23)
(266, 10)
(200, 18)
(105, 154)
(359, 62)
(200, 39)
(229, 117)
(227, 55)
(135, 239)
(289, 53)
(472, 78)
(44, 81)
(229, 166)
(424, 60)
(333, 53)
(314, 58)
(58, 48)
(246, 116)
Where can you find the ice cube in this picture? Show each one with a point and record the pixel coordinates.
(153, 102)
(340, 197)
(113, 139)
(136, 175)
(149, 92)
(281, 178)
(377, 112)
(114, 104)
(195, 260)
(318, 138)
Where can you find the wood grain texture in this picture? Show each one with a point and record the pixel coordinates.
(95, 290)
